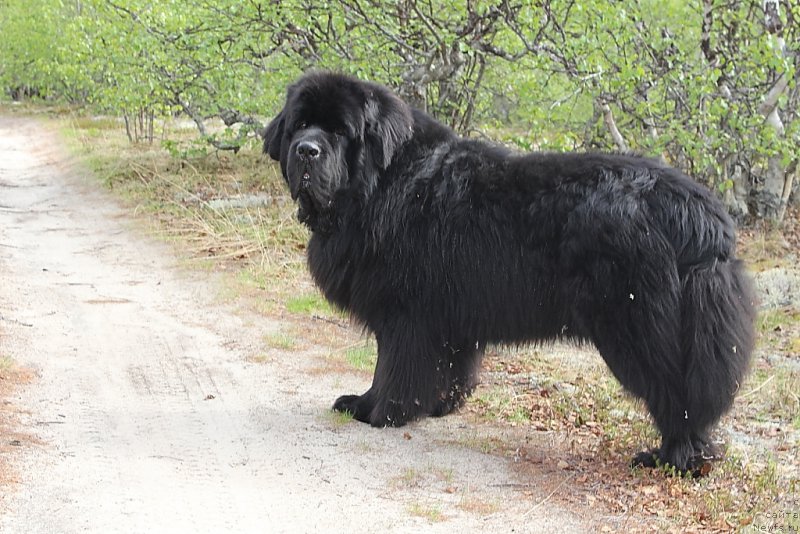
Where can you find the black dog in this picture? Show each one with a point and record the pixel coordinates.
(440, 245)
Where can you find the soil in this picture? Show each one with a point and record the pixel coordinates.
(151, 410)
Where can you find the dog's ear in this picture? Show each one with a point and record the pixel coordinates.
(388, 124)
(273, 136)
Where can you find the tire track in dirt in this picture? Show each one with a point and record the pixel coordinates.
(150, 416)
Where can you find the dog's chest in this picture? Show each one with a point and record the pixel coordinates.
(334, 261)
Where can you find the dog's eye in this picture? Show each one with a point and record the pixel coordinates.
(300, 125)
(341, 132)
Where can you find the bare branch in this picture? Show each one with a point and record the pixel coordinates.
(229, 117)
(608, 118)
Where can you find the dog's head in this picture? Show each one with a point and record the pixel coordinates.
(335, 134)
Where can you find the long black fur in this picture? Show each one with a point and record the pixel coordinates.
(441, 245)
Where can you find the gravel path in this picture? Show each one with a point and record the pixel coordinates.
(148, 415)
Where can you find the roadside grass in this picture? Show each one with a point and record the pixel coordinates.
(775, 395)
(409, 478)
(363, 356)
(281, 340)
(229, 211)
(231, 214)
(766, 245)
(779, 330)
(310, 304)
(6, 364)
(442, 491)
(475, 505)
(359, 355)
(597, 429)
(338, 419)
(430, 512)
(261, 357)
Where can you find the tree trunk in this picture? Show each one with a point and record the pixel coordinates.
(771, 199)
(735, 197)
(128, 127)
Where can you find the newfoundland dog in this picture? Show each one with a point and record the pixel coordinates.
(441, 245)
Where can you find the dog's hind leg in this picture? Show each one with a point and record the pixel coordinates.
(458, 371)
(632, 313)
(642, 349)
(683, 349)
(717, 314)
(652, 325)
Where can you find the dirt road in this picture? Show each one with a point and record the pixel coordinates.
(148, 416)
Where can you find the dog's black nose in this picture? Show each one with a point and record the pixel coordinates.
(308, 150)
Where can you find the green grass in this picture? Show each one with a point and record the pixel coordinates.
(338, 419)
(261, 357)
(432, 513)
(280, 340)
(446, 475)
(757, 489)
(774, 394)
(6, 364)
(779, 330)
(362, 357)
(777, 320)
(410, 477)
(497, 402)
(310, 304)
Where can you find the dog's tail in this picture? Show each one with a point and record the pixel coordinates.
(717, 337)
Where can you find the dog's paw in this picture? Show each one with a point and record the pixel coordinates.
(696, 466)
(649, 459)
(378, 414)
(392, 414)
(359, 406)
